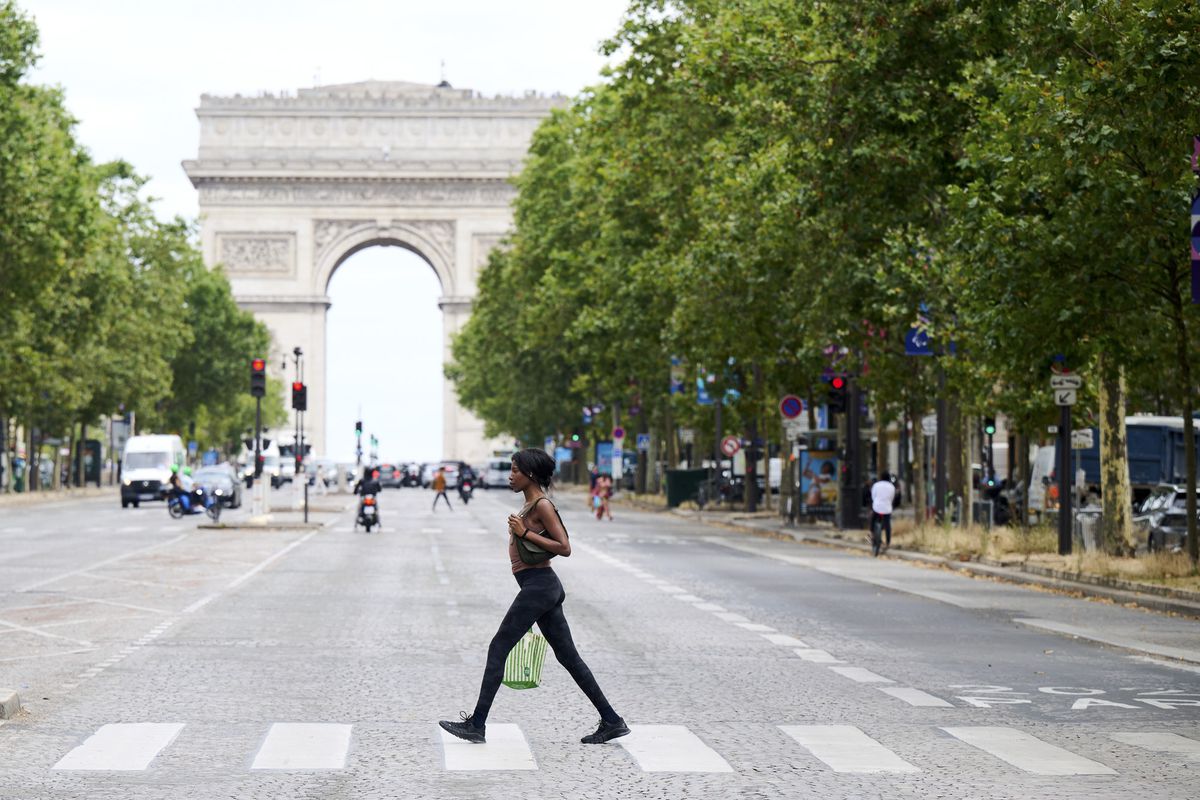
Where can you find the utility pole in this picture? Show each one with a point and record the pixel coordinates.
(941, 449)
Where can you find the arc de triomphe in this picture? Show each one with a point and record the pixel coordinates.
(291, 186)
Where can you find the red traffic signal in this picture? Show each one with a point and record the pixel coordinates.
(837, 382)
(299, 396)
(258, 377)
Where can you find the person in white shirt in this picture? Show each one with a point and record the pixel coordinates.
(883, 495)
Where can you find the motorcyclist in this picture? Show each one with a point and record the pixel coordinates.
(181, 485)
(368, 485)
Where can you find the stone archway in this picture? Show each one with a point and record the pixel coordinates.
(291, 186)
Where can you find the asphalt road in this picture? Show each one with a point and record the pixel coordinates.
(155, 659)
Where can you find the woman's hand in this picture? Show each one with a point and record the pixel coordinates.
(516, 525)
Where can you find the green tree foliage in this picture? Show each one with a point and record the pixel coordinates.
(779, 185)
(103, 307)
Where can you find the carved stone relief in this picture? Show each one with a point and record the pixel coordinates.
(470, 193)
(434, 238)
(272, 254)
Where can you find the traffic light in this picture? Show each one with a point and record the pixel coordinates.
(258, 377)
(299, 396)
(358, 429)
(989, 426)
(836, 396)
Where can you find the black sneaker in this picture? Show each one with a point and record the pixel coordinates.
(466, 729)
(606, 731)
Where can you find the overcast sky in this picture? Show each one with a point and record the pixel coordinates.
(134, 70)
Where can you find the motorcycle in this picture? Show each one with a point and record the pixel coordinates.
(368, 513)
(465, 489)
(197, 501)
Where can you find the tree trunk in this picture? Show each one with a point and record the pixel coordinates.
(917, 471)
(881, 443)
(954, 450)
(969, 428)
(1116, 495)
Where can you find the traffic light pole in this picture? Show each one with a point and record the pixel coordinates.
(1065, 515)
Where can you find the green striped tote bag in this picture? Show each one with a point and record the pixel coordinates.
(523, 667)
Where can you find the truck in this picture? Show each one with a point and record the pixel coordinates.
(1156, 456)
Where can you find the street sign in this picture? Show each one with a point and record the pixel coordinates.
(1082, 439)
(643, 441)
(793, 428)
(916, 342)
(791, 406)
(1066, 382)
(549, 444)
(730, 445)
(929, 425)
(1064, 397)
(687, 435)
(618, 433)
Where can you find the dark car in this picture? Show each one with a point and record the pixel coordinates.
(412, 475)
(390, 476)
(220, 480)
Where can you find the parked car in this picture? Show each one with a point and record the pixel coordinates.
(390, 476)
(1163, 517)
(220, 480)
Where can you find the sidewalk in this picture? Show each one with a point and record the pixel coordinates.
(1127, 593)
(20, 499)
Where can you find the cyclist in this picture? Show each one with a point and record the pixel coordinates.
(883, 495)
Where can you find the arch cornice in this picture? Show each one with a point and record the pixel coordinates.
(335, 240)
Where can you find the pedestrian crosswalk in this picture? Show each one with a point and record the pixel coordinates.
(294, 746)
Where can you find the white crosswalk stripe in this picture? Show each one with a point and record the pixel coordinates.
(783, 639)
(845, 748)
(861, 675)
(505, 749)
(299, 745)
(915, 697)
(1027, 752)
(671, 748)
(121, 747)
(1171, 743)
(652, 748)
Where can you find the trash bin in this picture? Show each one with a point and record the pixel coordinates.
(682, 484)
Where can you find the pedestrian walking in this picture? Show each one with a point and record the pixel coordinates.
(439, 486)
(536, 535)
(606, 492)
(883, 495)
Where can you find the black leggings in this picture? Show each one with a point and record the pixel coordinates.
(540, 600)
(885, 525)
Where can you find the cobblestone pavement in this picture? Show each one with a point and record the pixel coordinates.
(157, 660)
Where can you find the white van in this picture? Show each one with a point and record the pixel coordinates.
(146, 467)
(1041, 463)
(496, 473)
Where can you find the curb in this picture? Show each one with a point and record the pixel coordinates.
(17, 500)
(1089, 586)
(10, 704)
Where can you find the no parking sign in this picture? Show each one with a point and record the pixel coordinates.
(791, 406)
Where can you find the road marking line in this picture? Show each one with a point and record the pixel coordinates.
(671, 748)
(431, 530)
(39, 632)
(817, 656)
(38, 584)
(915, 697)
(505, 749)
(709, 607)
(729, 616)
(689, 598)
(755, 626)
(861, 674)
(245, 576)
(783, 639)
(121, 747)
(1027, 752)
(845, 748)
(1171, 743)
(304, 745)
